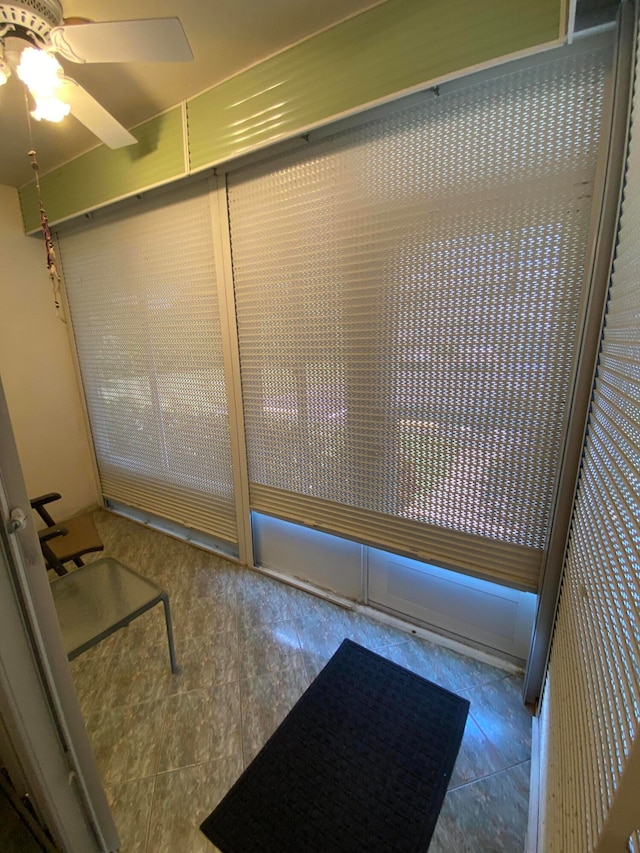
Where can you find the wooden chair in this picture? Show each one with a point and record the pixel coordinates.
(67, 540)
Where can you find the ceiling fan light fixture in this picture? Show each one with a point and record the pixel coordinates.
(40, 72)
(80, 40)
(51, 109)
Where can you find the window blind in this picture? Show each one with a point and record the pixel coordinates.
(141, 285)
(408, 297)
(591, 698)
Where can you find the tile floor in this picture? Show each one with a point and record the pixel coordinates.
(169, 747)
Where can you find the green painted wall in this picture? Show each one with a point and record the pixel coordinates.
(397, 46)
(103, 174)
(393, 47)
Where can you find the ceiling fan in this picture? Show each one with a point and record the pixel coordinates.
(41, 23)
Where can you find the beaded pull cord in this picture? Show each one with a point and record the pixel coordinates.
(44, 222)
(48, 241)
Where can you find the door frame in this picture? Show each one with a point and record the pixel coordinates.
(43, 726)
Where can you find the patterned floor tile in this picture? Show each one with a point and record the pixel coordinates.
(201, 617)
(126, 740)
(268, 647)
(206, 662)
(88, 678)
(320, 634)
(487, 816)
(248, 646)
(477, 757)
(136, 675)
(212, 579)
(441, 665)
(266, 700)
(261, 600)
(130, 804)
(183, 799)
(521, 774)
(498, 710)
(247, 757)
(304, 604)
(200, 726)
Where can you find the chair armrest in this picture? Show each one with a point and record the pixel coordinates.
(45, 499)
(38, 505)
(51, 561)
(52, 532)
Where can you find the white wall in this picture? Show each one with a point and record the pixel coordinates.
(38, 373)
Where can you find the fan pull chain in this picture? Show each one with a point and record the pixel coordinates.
(46, 230)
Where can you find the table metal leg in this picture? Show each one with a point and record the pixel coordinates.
(167, 619)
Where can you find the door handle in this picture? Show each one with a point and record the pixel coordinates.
(17, 521)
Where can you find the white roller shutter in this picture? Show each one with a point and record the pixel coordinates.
(141, 284)
(591, 699)
(408, 296)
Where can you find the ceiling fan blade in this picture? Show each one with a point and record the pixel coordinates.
(147, 40)
(94, 116)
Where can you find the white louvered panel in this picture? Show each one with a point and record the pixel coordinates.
(514, 565)
(142, 291)
(408, 296)
(194, 510)
(591, 697)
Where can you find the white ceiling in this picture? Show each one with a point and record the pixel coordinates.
(225, 36)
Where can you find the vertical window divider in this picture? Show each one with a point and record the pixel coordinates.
(231, 354)
(364, 574)
(66, 314)
(601, 243)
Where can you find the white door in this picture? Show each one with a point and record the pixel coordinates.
(38, 705)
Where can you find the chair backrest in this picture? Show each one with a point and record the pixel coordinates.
(65, 541)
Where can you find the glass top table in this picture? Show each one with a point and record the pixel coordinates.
(100, 598)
